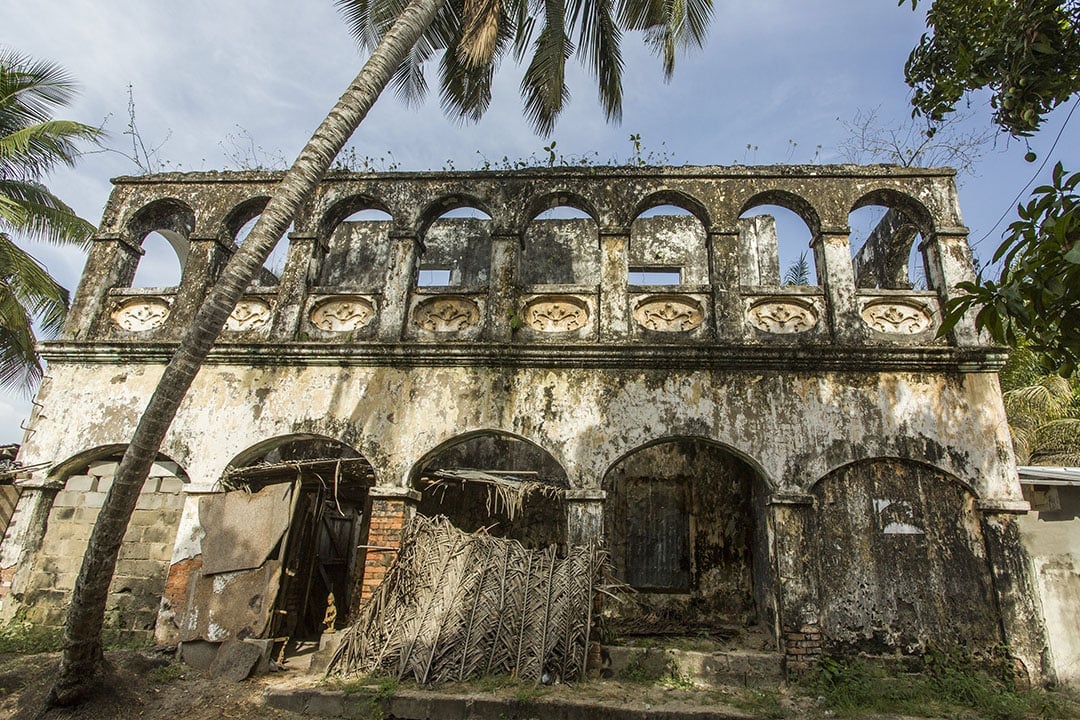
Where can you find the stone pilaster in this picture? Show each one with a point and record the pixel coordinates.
(293, 286)
(401, 271)
(948, 262)
(111, 263)
(799, 611)
(832, 254)
(502, 300)
(614, 283)
(206, 257)
(724, 277)
(1015, 589)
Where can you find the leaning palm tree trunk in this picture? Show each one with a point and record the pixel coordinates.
(82, 655)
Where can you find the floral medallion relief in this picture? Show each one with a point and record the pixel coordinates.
(896, 317)
(342, 314)
(248, 315)
(556, 314)
(141, 313)
(782, 316)
(446, 314)
(669, 313)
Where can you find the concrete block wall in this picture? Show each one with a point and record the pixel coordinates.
(143, 560)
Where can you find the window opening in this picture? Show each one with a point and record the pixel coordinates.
(433, 277)
(655, 276)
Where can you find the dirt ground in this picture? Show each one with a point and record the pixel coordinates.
(141, 685)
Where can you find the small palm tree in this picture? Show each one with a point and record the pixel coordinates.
(1043, 411)
(798, 272)
(32, 144)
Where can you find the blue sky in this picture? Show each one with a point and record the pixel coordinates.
(772, 85)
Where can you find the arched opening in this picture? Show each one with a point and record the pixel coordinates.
(495, 481)
(886, 246)
(457, 249)
(668, 247)
(274, 265)
(357, 254)
(561, 246)
(684, 523)
(901, 561)
(162, 230)
(139, 579)
(161, 264)
(284, 542)
(775, 233)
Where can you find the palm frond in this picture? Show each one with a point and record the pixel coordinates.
(20, 369)
(1058, 438)
(599, 45)
(1045, 401)
(367, 21)
(31, 90)
(457, 606)
(32, 151)
(28, 208)
(479, 32)
(669, 25)
(544, 84)
(31, 286)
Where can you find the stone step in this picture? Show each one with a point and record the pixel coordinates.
(748, 668)
(434, 705)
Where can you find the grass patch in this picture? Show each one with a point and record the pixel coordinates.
(166, 674)
(949, 686)
(22, 638)
(759, 703)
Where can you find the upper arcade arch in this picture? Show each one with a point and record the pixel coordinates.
(551, 199)
(674, 198)
(789, 200)
(912, 209)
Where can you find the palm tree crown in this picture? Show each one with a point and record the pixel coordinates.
(475, 35)
(32, 144)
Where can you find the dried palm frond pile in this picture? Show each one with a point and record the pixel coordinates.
(506, 493)
(456, 605)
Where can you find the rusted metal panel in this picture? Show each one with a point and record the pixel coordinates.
(231, 606)
(243, 528)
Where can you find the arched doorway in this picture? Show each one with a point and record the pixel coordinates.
(684, 524)
(282, 552)
(901, 561)
(508, 486)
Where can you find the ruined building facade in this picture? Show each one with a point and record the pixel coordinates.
(807, 460)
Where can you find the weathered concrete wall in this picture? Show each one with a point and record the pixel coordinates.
(1052, 537)
(793, 426)
(540, 336)
(901, 561)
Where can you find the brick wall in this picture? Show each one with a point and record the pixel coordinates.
(386, 522)
(802, 648)
(143, 560)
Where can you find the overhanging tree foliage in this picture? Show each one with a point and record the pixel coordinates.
(1037, 296)
(1027, 53)
(470, 34)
